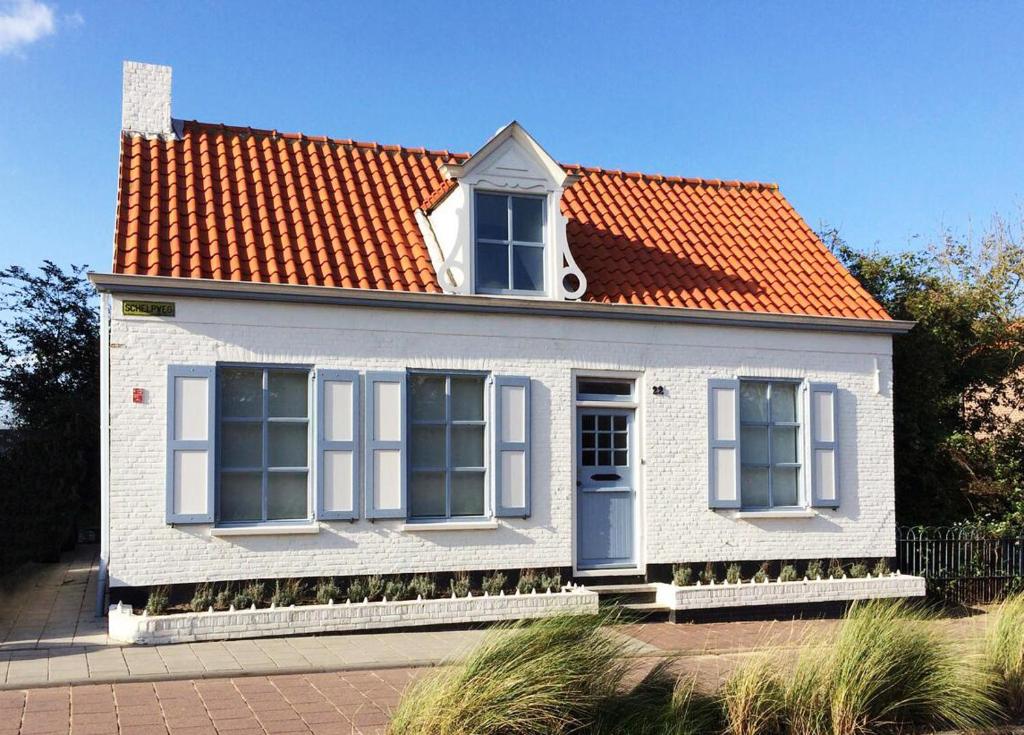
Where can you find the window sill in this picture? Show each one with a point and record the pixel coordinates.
(278, 530)
(782, 514)
(449, 526)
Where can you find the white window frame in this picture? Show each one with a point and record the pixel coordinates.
(511, 243)
(264, 420)
(448, 469)
(801, 426)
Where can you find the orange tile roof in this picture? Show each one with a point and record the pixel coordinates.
(239, 204)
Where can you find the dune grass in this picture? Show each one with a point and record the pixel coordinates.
(1004, 653)
(883, 671)
(545, 678)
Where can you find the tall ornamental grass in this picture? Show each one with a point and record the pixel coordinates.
(885, 670)
(1004, 652)
(545, 678)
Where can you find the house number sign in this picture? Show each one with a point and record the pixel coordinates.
(147, 308)
(658, 390)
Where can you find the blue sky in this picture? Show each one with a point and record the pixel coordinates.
(890, 121)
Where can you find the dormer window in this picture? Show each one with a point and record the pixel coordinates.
(509, 243)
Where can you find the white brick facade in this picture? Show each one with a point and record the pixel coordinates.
(146, 98)
(675, 524)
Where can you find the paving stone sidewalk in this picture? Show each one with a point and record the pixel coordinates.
(49, 637)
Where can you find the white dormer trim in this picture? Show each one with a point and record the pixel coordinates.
(511, 162)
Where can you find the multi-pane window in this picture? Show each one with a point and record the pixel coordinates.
(769, 444)
(447, 430)
(263, 424)
(509, 243)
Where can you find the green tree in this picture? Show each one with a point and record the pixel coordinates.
(959, 451)
(49, 383)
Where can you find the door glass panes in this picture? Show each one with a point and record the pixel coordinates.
(770, 453)
(509, 242)
(263, 447)
(447, 446)
(604, 440)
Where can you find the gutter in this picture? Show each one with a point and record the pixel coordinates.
(482, 304)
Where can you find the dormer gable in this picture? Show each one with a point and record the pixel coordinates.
(495, 226)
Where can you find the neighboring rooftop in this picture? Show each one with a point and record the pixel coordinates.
(229, 203)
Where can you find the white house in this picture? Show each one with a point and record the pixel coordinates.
(331, 358)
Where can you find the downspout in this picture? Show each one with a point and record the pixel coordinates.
(101, 582)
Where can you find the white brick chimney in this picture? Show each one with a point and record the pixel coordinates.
(146, 99)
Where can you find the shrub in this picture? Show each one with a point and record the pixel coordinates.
(222, 600)
(251, 594)
(881, 568)
(858, 570)
(375, 585)
(396, 589)
(761, 575)
(732, 574)
(885, 670)
(528, 582)
(788, 573)
(549, 677)
(327, 590)
(158, 601)
(835, 569)
(708, 575)
(550, 581)
(423, 585)
(286, 594)
(1004, 650)
(752, 698)
(682, 575)
(202, 598)
(358, 590)
(814, 570)
(459, 584)
(493, 584)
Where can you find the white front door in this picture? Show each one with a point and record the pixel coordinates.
(606, 488)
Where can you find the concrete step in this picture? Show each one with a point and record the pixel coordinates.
(625, 594)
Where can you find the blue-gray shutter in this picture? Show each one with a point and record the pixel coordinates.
(191, 443)
(724, 443)
(386, 452)
(511, 455)
(823, 463)
(337, 437)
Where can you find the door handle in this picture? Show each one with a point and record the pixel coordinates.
(605, 476)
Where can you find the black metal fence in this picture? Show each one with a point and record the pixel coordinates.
(962, 565)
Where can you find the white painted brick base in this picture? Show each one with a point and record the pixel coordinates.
(308, 619)
(747, 594)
